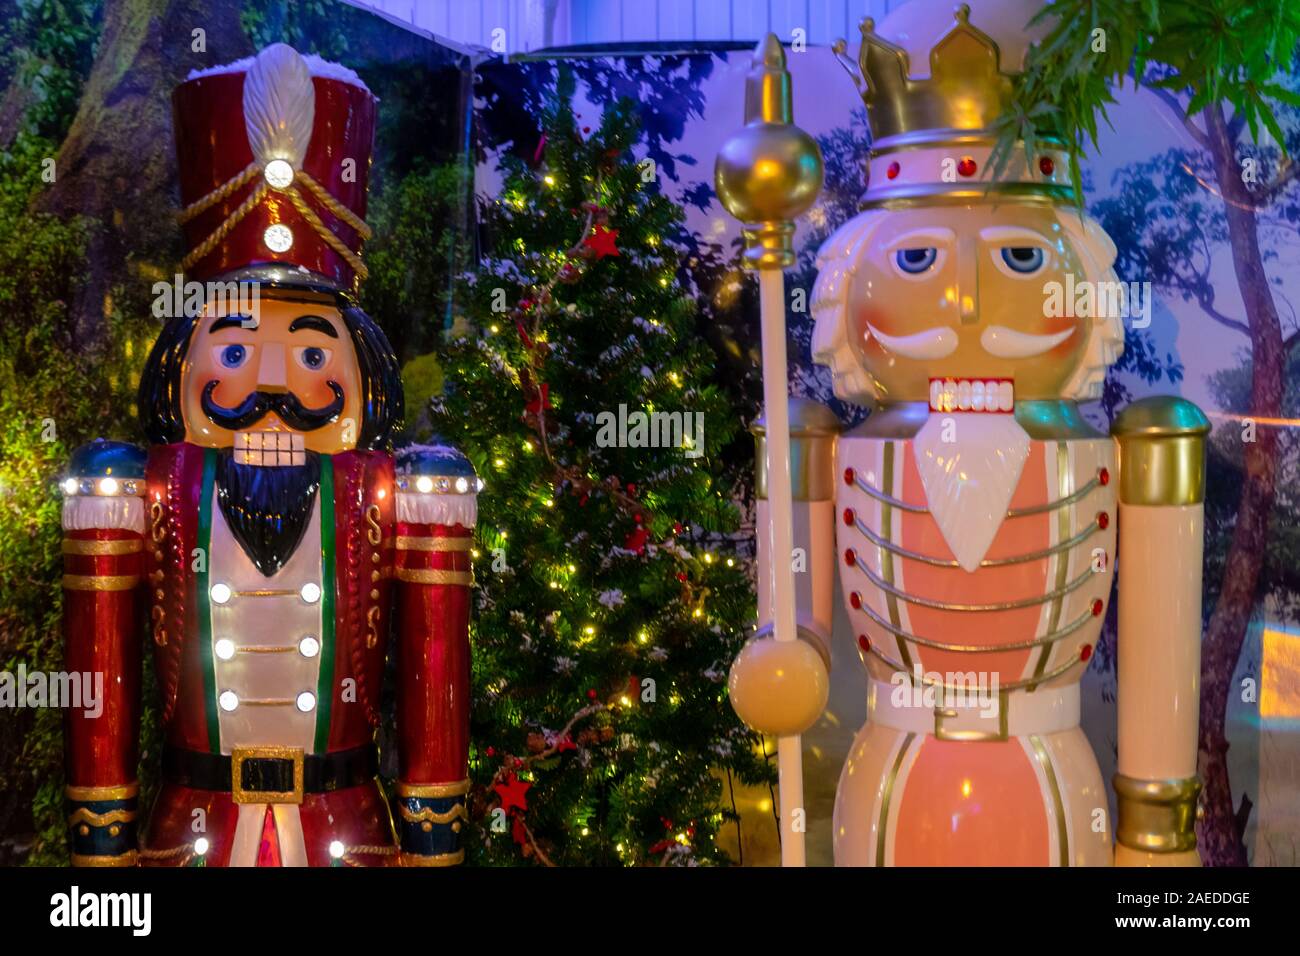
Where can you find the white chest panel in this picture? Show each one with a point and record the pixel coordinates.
(266, 641)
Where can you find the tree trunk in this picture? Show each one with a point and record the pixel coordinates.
(117, 165)
(1220, 832)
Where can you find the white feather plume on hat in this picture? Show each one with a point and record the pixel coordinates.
(279, 106)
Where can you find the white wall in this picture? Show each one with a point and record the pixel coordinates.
(533, 24)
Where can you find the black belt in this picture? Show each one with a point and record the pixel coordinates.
(269, 774)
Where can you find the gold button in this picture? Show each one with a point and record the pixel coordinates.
(83, 830)
(426, 826)
(374, 594)
(374, 557)
(157, 555)
(114, 830)
(455, 826)
(159, 594)
(374, 575)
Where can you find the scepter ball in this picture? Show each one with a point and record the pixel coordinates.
(768, 172)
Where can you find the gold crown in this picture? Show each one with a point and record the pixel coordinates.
(952, 113)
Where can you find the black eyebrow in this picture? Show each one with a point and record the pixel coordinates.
(315, 323)
(233, 322)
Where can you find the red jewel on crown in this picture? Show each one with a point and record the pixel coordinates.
(967, 166)
(1046, 165)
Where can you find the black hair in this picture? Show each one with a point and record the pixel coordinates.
(382, 401)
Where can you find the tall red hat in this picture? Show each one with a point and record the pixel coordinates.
(274, 158)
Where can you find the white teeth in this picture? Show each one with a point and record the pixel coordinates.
(270, 448)
(971, 395)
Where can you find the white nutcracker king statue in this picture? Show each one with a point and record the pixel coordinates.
(975, 510)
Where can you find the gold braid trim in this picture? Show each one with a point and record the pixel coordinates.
(218, 194)
(331, 240)
(185, 849)
(427, 814)
(210, 243)
(333, 205)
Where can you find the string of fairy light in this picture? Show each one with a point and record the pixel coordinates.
(528, 315)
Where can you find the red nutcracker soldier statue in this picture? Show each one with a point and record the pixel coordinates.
(269, 536)
(973, 515)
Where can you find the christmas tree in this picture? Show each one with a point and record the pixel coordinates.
(611, 598)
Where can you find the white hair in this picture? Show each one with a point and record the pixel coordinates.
(838, 261)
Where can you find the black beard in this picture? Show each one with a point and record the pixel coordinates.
(267, 506)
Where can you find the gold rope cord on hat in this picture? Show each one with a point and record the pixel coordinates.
(226, 189)
(246, 175)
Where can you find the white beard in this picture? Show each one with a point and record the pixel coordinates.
(969, 479)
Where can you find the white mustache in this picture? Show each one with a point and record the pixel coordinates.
(1008, 343)
(941, 341)
(935, 343)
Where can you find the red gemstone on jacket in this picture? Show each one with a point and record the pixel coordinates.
(1097, 608)
(848, 476)
(856, 600)
(966, 167)
(849, 557)
(1103, 476)
(848, 516)
(892, 171)
(864, 643)
(1103, 520)
(1046, 165)
(1086, 652)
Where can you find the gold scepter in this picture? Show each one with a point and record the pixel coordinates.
(766, 174)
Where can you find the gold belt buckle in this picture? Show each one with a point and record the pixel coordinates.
(237, 757)
(942, 713)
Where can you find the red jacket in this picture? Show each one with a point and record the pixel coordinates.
(414, 577)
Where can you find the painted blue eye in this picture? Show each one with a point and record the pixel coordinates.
(313, 357)
(916, 261)
(1023, 259)
(232, 356)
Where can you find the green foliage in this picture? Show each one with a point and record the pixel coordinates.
(54, 395)
(575, 612)
(49, 47)
(412, 257)
(303, 24)
(1215, 51)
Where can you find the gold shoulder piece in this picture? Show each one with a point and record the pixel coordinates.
(813, 428)
(1161, 452)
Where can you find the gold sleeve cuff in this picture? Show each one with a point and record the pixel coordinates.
(1157, 816)
(437, 859)
(454, 789)
(88, 794)
(129, 858)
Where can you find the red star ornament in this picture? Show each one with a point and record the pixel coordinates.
(513, 792)
(601, 241)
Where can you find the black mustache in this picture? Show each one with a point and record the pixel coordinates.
(285, 404)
